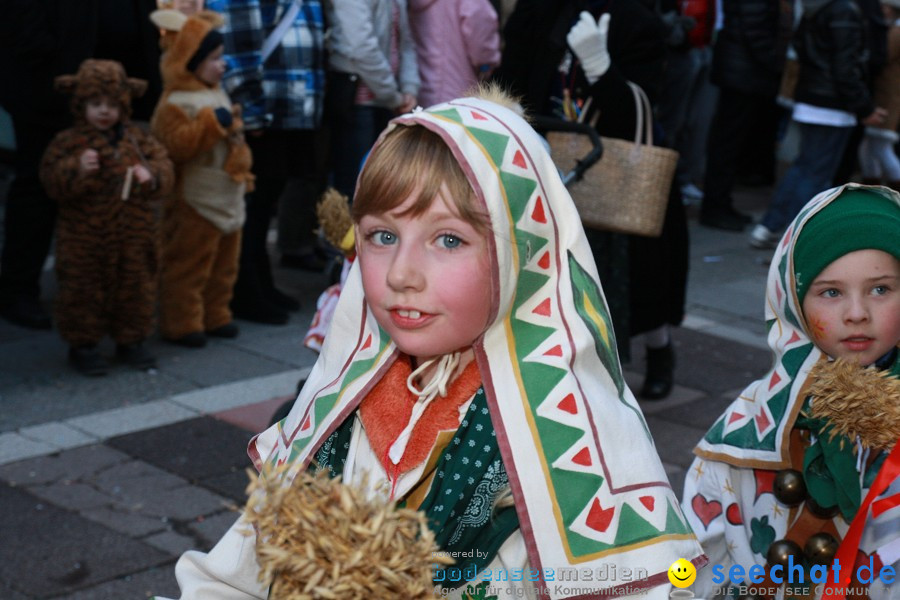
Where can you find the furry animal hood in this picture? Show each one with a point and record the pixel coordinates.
(183, 38)
(100, 78)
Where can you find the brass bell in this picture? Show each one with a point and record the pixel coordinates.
(780, 552)
(789, 487)
(820, 511)
(820, 548)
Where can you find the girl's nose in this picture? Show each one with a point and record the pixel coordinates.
(405, 271)
(857, 310)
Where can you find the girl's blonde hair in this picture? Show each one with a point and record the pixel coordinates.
(412, 159)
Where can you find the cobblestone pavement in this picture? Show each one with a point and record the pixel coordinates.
(106, 481)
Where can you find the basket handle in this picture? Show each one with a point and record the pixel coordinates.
(644, 115)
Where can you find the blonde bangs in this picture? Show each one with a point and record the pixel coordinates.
(395, 170)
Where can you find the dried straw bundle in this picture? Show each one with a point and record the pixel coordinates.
(857, 402)
(318, 538)
(333, 211)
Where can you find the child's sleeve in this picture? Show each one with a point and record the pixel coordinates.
(227, 572)
(185, 137)
(59, 171)
(244, 35)
(479, 27)
(160, 166)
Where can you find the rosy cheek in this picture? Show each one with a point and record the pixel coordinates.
(817, 327)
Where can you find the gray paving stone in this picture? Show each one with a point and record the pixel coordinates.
(186, 502)
(56, 551)
(673, 441)
(73, 495)
(212, 528)
(68, 465)
(170, 542)
(184, 448)
(129, 522)
(158, 581)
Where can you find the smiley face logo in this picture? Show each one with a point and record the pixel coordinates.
(682, 573)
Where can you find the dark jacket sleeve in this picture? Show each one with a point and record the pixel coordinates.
(848, 43)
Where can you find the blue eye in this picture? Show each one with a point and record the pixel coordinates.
(830, 293)
(450, 241)
(383, 238)
(880, 290)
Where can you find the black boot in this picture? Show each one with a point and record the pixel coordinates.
(658, 378)
(136, 355)
(87, 360)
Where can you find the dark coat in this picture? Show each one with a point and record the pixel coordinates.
(750, 49)
(40, 39)
(643, 278)
(833, 55)
(535, 38)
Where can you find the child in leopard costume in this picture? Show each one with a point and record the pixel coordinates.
(107, 176)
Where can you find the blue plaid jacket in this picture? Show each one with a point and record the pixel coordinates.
(286, 91)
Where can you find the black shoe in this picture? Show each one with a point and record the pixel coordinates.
(195, 339)
(25, 312)
(136, 355)
(747, 219)
(228, 330)
(658, 379)
(723, 220)
(282, 300)
(260, 312)
(87, 360)
(307, 262)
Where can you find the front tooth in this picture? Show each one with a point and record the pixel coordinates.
(414, 314)
(403, 313)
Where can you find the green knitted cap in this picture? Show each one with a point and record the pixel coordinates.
(858, 219)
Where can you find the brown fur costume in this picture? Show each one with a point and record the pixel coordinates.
(202, 223)
(107, 249)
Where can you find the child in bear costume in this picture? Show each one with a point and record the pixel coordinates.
(203, 133)
(105, 175)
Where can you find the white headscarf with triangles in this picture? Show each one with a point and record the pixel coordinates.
(589, 487)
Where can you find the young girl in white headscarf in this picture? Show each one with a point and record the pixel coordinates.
(470, 372)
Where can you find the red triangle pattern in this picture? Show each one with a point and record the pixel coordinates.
(305, 425)
(775, 380)
(762, 421)
(795, 337)
(598, 517)
(478, 116)
(367, 343)
(778, 294)
(538, 213)
(568, 405)
(583, 458)
(543, 308)
(648, 501)
(544, 261)
(554, 351)
(519, 159)
(787, 237)
(735, 416)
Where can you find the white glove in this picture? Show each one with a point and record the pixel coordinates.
(587, 39)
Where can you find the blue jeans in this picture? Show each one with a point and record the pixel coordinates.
(821, 149)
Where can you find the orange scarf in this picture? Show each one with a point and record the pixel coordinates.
(385, 411)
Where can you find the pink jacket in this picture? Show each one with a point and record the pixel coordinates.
(454, 38)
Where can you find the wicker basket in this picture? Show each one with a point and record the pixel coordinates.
(627, 191)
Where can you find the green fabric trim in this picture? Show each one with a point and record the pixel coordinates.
(829, 464)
